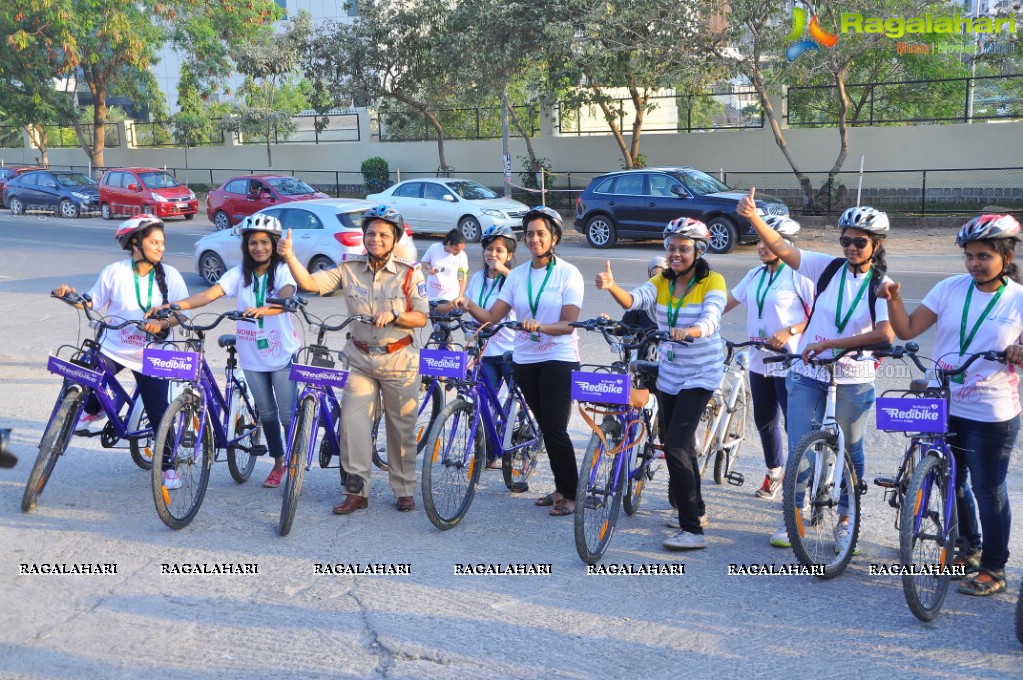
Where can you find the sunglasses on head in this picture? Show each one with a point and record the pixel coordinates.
(860, 241)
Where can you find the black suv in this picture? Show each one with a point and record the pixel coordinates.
(61, 191)
(639, 203)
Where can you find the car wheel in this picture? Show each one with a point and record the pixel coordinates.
(221, 221)
(601, 232)
(16, 206)
(319, 263)
(723, 235)
(68, 209)
(189, 216)
(106, 211)
(211, 267)
(470, 228)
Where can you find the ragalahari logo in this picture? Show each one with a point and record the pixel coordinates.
(818, 36)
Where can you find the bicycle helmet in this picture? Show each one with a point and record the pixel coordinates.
(686, 227)
(387, 214)
(499, 231)
(127, 229)
(988, 227)
(867, 219)
(551, 217)
(786, 227)
(260, 222)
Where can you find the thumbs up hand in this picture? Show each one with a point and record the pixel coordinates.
(605, 279)
(747, 206)
(284, 248)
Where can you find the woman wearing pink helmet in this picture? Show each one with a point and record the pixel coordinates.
(125, 290)
(687, 299)
(973, 312)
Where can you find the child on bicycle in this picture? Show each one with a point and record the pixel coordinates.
(688, 298)
(265, 348)
(845, 314)
(776, 307)
(124, 290)
(977, 311)
(446, 267)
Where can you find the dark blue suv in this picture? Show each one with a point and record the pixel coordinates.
(638, 203)
(61, 191)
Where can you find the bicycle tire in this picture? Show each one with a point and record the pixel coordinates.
(724, 461)
(141, 449)
(297, 455)
(519, 466)
(190, 458)
(925, 594)
(239, 461)
(451, 465)
(814, 542)
(1019, 616)
(598, 497)
(54, 442)
(634, 489)
(703, 438)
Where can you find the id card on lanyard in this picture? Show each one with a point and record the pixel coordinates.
(966, 340)
(260, 295)
(535, 304)
(673, 313)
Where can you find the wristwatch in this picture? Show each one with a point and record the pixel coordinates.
(793, 331)
(396, 315)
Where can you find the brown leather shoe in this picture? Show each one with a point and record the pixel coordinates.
(405, 504)
(351, 503)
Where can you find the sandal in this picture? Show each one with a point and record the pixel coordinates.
(562, 508)
(550, 499)
(985, 582)
(969, 561)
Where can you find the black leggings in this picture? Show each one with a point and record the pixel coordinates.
(682, 412)
(547, 387)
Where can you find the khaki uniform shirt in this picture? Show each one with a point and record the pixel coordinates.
(370, 293)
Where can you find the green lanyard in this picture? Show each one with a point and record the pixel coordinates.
(673, 314)
(535, 304)
(260, 296)
(483, 289)
(964, 345)
(762, 298)
(138, 293)
(841, 323)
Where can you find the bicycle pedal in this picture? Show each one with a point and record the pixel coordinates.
(861, 488)
(735, 478)
(519, 487)
(258, 450)
(188, 440)
(885, 482)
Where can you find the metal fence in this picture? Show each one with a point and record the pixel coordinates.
(480, 122)
(164, 133)
(335, 126)
(947, 100)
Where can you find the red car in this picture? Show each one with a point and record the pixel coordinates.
(7, 173)
(239, 197)
(131, 191)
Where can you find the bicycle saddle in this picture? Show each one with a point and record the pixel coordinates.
(226, 340)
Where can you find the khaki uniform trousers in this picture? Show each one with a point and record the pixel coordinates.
(393, 380)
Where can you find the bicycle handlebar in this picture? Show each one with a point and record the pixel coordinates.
(879, 347)
(189, 325)
(298, 304)
(95, 319)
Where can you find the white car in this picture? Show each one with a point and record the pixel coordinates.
(438, 205)
(322, 231)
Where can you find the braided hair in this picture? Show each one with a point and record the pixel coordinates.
(1004, 246)
(161, 275)
(249, 265)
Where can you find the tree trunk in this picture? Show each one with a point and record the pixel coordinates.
(639, 103)
(616, 131)
(534, 162)
(99, 119)
(805, 186)
(443, 170)
(37, 133)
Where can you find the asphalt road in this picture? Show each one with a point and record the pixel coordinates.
(288, 620)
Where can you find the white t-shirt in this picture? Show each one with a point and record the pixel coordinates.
(114, 295)
(484, 292)
(444, 284)
(990, 390)
(564, 287)
(278, 331)
(822, 324)
(786, 297)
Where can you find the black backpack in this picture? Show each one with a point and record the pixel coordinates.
(829, 273)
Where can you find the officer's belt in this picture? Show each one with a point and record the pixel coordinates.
(383, 349)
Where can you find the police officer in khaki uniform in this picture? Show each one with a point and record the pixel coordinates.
(382, 361)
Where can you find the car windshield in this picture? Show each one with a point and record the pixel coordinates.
(701, 182)
(159, 180)
(76, 180)
(289, 186)
(471, 191)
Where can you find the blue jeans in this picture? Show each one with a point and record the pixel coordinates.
(497, 369)
(770, 405)
(274, 394)
(984, 449)
(808, 397)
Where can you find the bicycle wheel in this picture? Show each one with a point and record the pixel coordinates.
(517, 467)
(298, 453)
(452, 465)
(431, 401)
(641, 469)
(141, 449)
(190, 459)
(924, 538)
(53, 444)
(811, 514)
(599, 495)
(240, 461)
(704, 444)
(724, 461)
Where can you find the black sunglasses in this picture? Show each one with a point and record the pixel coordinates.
(860, 241)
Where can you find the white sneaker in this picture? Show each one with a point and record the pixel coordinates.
(684, 540)
(842, 538)
(87, 419)
(780, 538)
(171, 480)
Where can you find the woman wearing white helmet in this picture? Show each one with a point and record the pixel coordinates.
(776, 299)
(125, 290)
(845, 313)
(687, 299)
(265, 348)
(974, 312)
